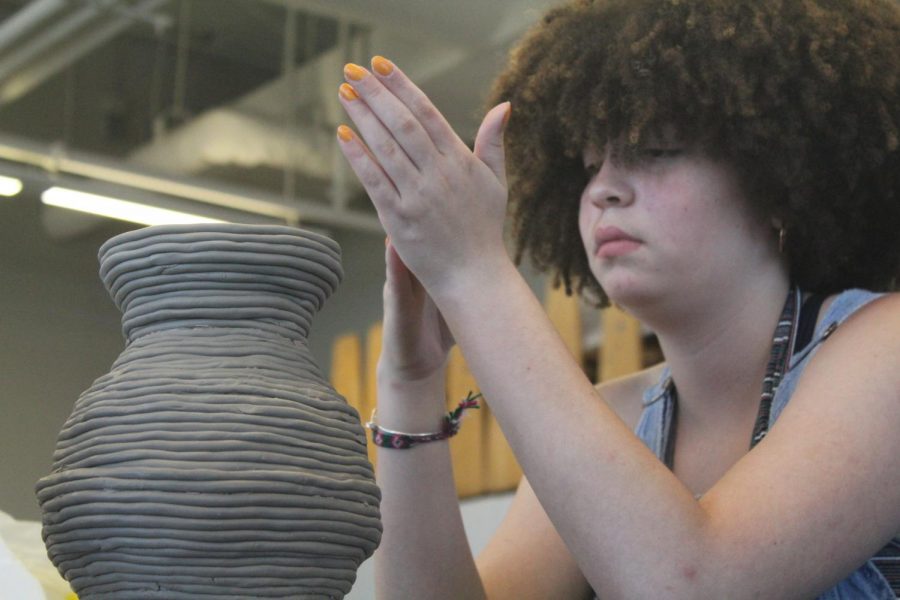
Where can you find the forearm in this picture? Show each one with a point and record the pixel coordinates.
(424, 552)
(632, 526)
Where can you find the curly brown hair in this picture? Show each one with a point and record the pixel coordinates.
(801, 96)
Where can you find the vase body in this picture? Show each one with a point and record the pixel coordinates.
(214, 459)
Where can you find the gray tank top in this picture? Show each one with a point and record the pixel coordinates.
(871, 580)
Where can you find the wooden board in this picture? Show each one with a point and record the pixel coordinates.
(347, 371)
(467, 448)
(373, 351)
(621, 351)
(502, 469)
(566, 318)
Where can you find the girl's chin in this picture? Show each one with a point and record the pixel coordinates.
(628, 291)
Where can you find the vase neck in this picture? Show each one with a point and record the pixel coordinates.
(289, 316)
(219, 276)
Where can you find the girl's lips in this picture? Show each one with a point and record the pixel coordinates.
(618, 247)
(612, 241)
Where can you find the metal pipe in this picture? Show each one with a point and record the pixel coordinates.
(54, 159)
(339, 187)
(52, 36)
(17, 85)
(182, 50)
(29, 17)
(289, 71)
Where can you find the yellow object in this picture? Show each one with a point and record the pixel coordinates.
(382, 65)
(354, 72)
(373, 351)
(621, 350)
(502, 470)
(347, 372)
(347, 92)
(467, 448)
(345, 133)
(564, 314)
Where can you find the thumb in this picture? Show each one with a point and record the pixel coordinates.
(397, 273)
(489, 140)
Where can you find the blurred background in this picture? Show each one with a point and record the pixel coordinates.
(222, 109)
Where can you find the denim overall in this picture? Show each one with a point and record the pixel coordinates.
(867, 582)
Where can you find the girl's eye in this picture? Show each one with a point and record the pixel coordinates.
(592, 169)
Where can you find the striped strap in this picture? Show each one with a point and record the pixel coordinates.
(778, 360)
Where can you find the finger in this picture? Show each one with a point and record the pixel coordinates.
(489, 140)
(399, 275)
(392, 114)
(382, 144)
(403, 296)
(378, 184)
(433, 122)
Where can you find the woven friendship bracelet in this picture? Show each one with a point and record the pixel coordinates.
(400, 440)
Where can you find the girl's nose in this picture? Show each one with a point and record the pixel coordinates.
(609, 187)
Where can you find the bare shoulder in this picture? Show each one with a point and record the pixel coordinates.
(625, 394)
(884, 310)
(872, 328)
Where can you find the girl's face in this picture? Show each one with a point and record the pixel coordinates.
(674, 223)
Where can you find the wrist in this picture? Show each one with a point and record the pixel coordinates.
(401, 381)
(417, 405)
(397, 376)
(476, 297)
(465, 282)
(384, 437)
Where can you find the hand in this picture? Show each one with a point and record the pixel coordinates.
(415, 337)
(442, 205)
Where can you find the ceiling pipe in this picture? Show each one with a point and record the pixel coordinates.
(17, 80)
(29, 17)
(340, 182)
(49, 37)
(289, 72)
(54, 159)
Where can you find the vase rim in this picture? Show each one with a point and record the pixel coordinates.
(225, 228)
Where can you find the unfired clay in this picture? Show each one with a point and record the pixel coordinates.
(214, 460)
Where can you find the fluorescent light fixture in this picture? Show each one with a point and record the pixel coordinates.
(118, 209)
(10, 186)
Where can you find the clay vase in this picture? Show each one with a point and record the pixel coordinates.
(214, 460)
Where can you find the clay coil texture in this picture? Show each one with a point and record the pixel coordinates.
(214, 460)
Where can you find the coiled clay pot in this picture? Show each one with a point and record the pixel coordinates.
(214, 460)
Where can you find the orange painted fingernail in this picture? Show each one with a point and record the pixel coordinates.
(382, 65)
(506, 114)
(345, 133)
(347, 92)
(354, 72)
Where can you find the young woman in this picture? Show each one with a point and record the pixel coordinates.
(727, 171)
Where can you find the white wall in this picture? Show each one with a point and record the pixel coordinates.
(59, 330)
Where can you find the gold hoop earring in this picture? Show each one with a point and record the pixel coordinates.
(782, 235)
